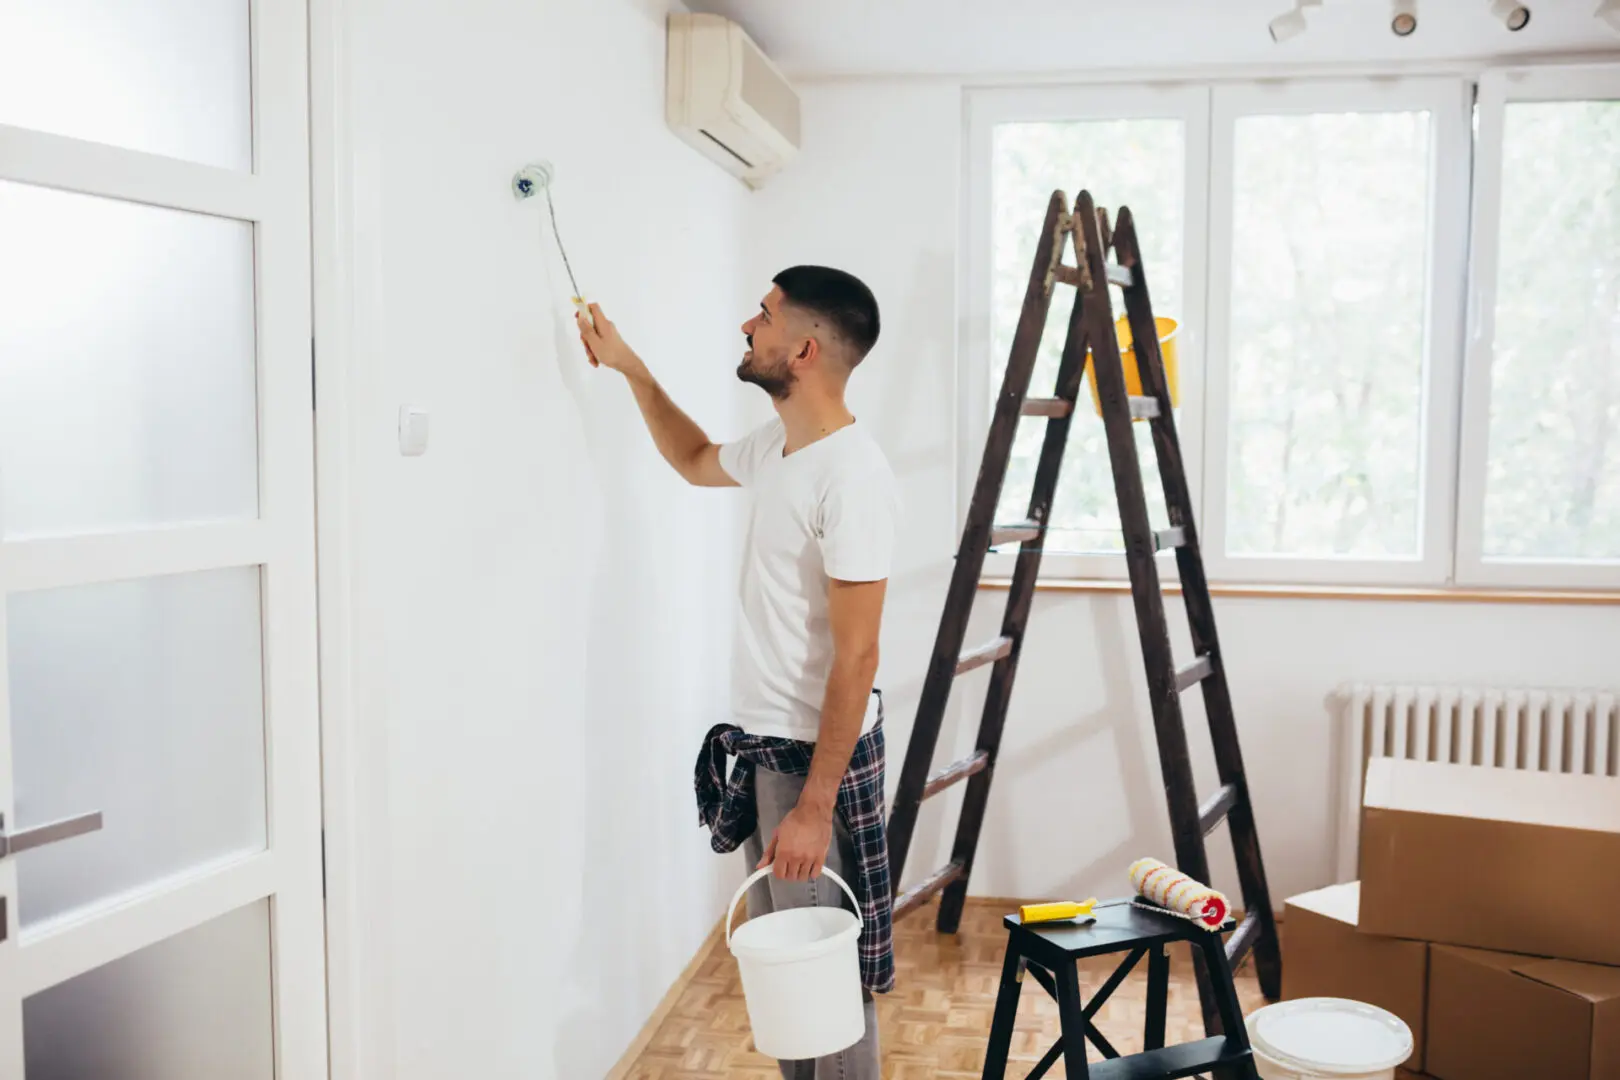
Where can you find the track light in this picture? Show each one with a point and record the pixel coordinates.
(1513, 16)
(1403, 18)
(1292, 24)
(1609, 12)
(1288, 26)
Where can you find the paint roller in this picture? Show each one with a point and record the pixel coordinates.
(1163, 888)
(1169, 889)
(536, 179)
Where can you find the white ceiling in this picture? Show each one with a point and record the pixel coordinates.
(989, 37)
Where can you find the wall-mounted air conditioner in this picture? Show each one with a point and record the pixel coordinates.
(728, 100)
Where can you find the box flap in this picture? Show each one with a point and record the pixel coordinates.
(1498, 961)
(1560, 800)
(1340, 903)
(1324, 955)
(1593, 982)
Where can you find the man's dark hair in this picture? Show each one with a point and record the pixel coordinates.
(839, 298)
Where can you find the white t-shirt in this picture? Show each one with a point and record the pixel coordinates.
(825, 511)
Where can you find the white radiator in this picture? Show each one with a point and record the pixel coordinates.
(1560, 731)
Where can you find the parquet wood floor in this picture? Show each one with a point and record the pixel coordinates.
(934, 1026)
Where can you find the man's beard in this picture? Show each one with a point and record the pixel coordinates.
(776, 380)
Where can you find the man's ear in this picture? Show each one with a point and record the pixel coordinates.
(809, 350)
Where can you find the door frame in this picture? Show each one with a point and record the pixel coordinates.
(354, 745)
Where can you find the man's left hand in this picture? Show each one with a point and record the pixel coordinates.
(799, 846)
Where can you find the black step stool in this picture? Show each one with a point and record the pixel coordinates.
(1050, 951)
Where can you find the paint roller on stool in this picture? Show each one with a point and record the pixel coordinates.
(1169, 890)
(1160, 888)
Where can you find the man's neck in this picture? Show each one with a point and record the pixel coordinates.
(808, 416)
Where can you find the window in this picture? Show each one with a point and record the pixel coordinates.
(1325, 336)
(1124, 147)
(1374, 390)
(1339, 233)
(1541, 491)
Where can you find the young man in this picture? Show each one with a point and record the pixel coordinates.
(806, 730)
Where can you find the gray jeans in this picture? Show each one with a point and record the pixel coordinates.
(776, 794)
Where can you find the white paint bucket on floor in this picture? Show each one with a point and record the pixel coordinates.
(1327, 1039)
(801, 976)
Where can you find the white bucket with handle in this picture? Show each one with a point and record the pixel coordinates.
(801, 976)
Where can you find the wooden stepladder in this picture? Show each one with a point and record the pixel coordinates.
(1091, 324)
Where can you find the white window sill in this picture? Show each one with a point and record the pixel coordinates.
(1445, 595)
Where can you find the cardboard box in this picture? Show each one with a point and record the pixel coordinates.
(1324, 956)
(1504, 859)
(1496, 1016)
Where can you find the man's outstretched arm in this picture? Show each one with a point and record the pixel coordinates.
(683, 444)
(855, 610)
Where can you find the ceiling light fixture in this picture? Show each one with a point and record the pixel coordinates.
(1292, 24)
(1403, 18)
(1288, 26)
(1609, 12)
(1513, 16)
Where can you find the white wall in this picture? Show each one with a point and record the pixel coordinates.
(1078, 794)
(540, 608)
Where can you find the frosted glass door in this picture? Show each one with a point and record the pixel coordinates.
(160, 834)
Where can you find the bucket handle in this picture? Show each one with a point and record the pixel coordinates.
(742, 891)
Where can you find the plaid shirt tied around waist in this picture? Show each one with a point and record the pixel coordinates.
(726, 806)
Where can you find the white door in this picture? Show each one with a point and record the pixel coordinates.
(159, 742)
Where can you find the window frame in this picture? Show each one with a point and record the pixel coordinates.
(1449, 102)
(985, 110)
(1498, 88)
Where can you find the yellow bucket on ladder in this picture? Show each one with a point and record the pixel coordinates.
(1127, 356)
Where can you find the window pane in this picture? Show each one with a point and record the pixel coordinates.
(1135, 163)
(1329, 270)
(168, 77)
(196, 1006)
(142, 699)
(1552, 488)
(127, 386)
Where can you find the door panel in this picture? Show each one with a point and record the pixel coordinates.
(128, 391)
(169, 77)
(143, 700)
(195, 1006)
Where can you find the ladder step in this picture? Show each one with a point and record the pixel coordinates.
(1194, 673)
(918, 895)
(1014, 533)
(1144, 408)
(1169, 539)
(956, 772)
(1242, 941)
(988, 653)
(1120, 275)
(1213, 812)
(1053, 407)
(1173, 1062)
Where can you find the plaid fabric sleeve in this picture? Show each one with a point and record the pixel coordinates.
(860, 800)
